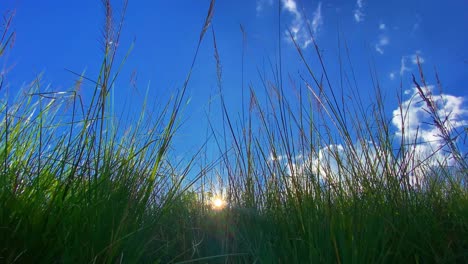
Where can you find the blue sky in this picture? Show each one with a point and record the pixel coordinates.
(385, 36)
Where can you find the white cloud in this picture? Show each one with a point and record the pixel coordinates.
(332, 163)
(262, 4)
(383, 41)
(335, 163)
(403, 67)
(358, 11)
(317, 19)
(298, 25)
(412, 59)
(413, 120)
(379, 49)
(291, 6)
(417, 24)
(415, 57)
(324, 162)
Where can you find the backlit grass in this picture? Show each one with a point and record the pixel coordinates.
(304, 179)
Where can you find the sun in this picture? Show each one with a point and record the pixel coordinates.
(218, 204)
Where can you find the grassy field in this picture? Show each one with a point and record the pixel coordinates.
(306, 180)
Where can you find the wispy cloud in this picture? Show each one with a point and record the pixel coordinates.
(414, 58)
(317, 19)
(417, 24)
(359, 11)
(298, 25)
(410, 59)
(383, 41)
(262, 4)
(403, 67)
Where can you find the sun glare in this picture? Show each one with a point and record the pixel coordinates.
(218, 204)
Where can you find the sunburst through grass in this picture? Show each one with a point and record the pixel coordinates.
(218, 203)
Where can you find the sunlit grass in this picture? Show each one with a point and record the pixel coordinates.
(307, 180)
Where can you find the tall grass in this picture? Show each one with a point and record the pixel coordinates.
(73, 189)
(329, 185)
(308, 178)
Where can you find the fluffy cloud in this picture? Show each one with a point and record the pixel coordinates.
(413, 122)
(359, 11)
(334, 163)
(291, 6)
(324, 163)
